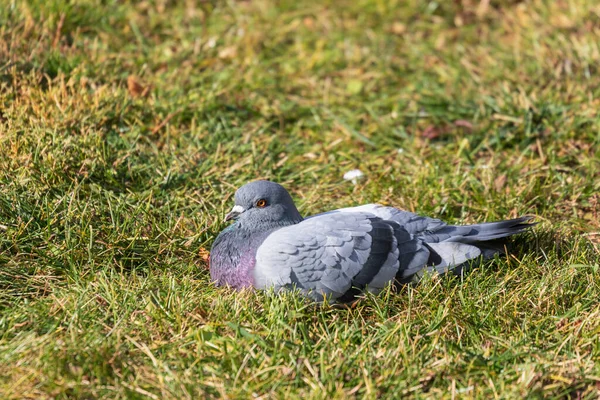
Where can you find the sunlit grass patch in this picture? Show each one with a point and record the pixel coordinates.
(126, 127)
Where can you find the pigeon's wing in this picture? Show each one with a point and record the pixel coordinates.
(411, 222)
(433, 230)
(330, 254)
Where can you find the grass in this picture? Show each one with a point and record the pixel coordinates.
(125, 128)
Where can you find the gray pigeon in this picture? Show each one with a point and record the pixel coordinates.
(335, 255)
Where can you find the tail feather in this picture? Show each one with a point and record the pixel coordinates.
(452, 248)
(480, 232)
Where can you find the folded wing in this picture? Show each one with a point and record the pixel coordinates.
(331, 255)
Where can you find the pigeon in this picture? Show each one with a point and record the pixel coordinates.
(337, 255)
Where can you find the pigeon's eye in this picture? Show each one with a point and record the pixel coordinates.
(261, 203)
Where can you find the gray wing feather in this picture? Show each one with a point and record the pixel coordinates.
(411, 222)
(328, 255)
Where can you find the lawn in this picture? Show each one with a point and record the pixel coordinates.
(125, 128)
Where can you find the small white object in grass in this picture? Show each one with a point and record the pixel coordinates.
(3, 227)
(353, 175)
(400, 150)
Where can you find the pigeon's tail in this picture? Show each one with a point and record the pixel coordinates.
(496, 230)
(471, 234)
(453, 248)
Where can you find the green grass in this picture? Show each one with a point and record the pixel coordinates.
(109, 197)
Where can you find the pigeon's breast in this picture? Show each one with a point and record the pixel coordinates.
(233, 257)
(232, 271)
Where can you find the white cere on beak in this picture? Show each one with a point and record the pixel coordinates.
(235, 212)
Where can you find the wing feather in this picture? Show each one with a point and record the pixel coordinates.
(329, 254)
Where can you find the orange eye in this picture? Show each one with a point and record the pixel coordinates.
(261, 203)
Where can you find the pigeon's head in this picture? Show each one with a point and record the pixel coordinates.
(264, 204)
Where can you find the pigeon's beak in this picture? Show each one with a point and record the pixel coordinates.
(234, 213)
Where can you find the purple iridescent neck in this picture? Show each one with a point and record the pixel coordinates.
(233, 256)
